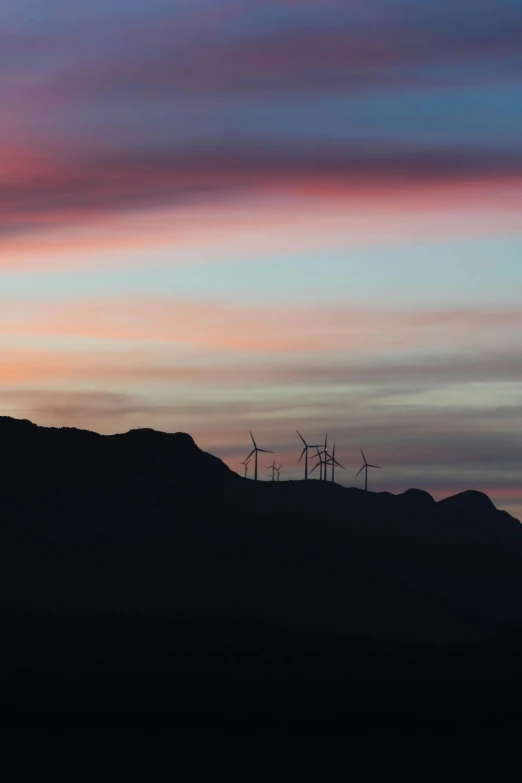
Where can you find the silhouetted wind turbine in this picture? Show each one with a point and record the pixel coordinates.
(365, 467)
(333, 462)
(325, 461)
(273, 469)
(245, 463)
(255, 451)
(278, 470)
(305, 452)
(319, 464)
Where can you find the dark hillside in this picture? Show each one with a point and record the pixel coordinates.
(140, 558)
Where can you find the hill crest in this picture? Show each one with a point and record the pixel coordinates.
(177, 459)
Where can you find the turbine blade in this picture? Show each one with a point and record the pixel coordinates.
(339, 464)
(364, 458)
(302, 455)
(316, 466)
(252, 452)
(361, 470)
(301, 437)
(253, 441)
(374, 466)
(266, 451)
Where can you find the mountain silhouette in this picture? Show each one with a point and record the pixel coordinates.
(141, 558)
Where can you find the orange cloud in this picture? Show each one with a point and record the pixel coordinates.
(166, 366)
(257, 330)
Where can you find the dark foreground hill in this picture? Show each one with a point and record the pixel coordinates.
(140, 576)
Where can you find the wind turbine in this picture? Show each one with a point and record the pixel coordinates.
(255, 451)
(245, 463)
(333, 462)
(278, 470)
(326, 459)
(365, 467)
(273, 469)
(319, 464)
(305, 453)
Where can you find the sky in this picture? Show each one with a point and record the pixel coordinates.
(220, 215)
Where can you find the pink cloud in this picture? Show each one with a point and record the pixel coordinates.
(53, 204)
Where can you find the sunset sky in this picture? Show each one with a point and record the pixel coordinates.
(221, 216)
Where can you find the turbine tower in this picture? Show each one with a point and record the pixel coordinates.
(255, 451)
(333, 462)
(365, 467)
(305, 453)
(323, 476)
(319, 464)
(245, 463)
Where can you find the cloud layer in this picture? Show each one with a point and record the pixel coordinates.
(69, 149)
